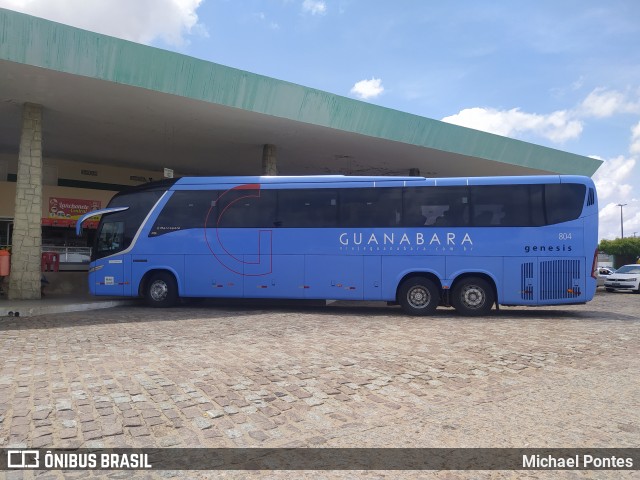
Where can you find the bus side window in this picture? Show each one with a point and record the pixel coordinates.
(371, 207)
(564, 202)
(247, 209)
(307, 208)
(507, 205)
(187, 209)
(437, 206)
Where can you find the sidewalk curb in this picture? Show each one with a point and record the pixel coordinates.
(26, 308)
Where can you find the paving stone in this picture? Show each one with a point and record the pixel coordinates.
(169, 441)
(66, 433)
(258, 435)
(139, 431)
(111, 429)
(62, 405)
(89, 426)
(42, 441)
(151, 422)
(135, 421)
(192, 412)
(150, 413)
(202, 423)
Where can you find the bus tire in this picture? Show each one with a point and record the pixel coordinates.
(161, 290)
(473, 297)
(418, 296)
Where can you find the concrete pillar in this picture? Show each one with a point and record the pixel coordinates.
(269, 165)
(24, 281)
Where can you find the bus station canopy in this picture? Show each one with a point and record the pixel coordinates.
(107, 100)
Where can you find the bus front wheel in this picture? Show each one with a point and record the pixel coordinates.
(161, 290)
(418, 296)
(473, 297)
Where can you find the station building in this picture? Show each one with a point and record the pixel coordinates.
(84, 115)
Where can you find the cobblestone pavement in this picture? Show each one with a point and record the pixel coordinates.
(337, 376)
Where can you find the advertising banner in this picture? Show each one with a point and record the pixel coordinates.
(64, 212)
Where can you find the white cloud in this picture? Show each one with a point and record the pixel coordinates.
(141, 21)
(366, 89)
(602, 103)
(557, 126)
(314, 7)
(611, 177)
(613, 188)
(609, 219)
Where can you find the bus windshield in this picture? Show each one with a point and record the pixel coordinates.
(117, 230)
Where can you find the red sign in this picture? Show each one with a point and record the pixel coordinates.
(71, 208)
(63, 212)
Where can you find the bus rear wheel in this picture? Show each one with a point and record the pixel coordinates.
(473, 297)
(418, 296)
(161, 290)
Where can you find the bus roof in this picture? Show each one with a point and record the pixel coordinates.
(307, 181)
(337, 179)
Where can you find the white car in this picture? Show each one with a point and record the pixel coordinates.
(626, 277)
(603, 274)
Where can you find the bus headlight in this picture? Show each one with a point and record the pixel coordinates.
(96, 268)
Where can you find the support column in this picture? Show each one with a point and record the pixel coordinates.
(269, 165)
(25, 275)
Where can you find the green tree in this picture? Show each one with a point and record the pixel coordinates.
(626, 250)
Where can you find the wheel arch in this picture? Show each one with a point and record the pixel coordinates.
(149, 273)
(419, 274)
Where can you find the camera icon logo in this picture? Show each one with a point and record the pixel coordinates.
(23, 458)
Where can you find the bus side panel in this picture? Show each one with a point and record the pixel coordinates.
(372, 284)
(285, 279)
(394, 268)
(520, 285)
(334, 277)
(211, 276)
(491, 266)
(110, 278)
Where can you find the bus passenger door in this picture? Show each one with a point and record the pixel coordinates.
(520, 281)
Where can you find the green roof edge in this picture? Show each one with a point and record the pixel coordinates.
(42, 43)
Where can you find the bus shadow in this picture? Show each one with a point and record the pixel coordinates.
(224, 309)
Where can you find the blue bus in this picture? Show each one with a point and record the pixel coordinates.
(470, 243)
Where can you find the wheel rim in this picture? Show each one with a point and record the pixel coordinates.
(158, 291)
(418, 297)
(473, 297)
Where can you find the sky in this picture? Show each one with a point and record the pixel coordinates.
(564, 74)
